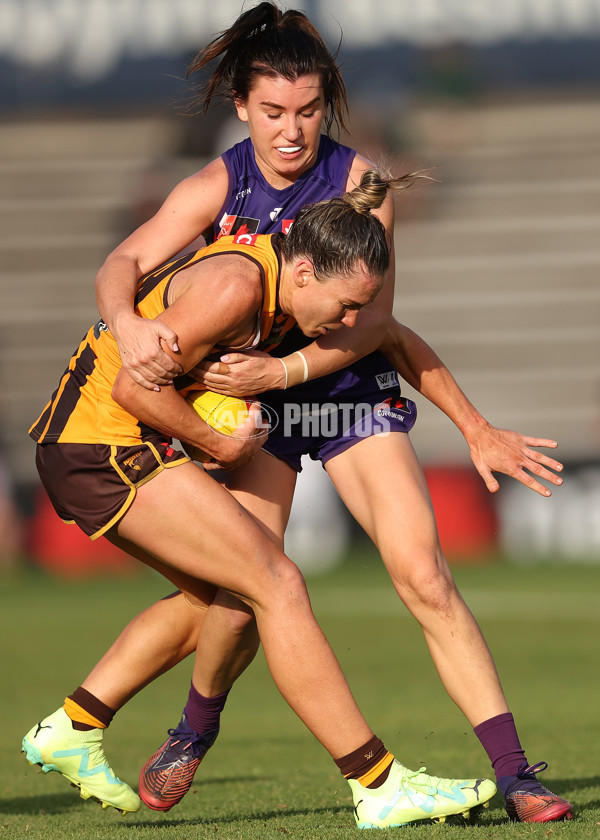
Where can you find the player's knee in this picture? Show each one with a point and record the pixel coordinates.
(289, 583)
(277, 583)
(426, 583)
(240, 622)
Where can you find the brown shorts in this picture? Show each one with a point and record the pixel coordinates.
(93, 484)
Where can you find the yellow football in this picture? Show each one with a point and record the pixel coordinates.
(221, 413)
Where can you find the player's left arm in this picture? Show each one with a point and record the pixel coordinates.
(491, 449)
(342, 347)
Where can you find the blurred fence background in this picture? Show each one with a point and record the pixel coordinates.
(498, 262)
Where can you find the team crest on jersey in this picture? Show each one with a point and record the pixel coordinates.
(386, 380)
(99, 327)
(281, 326)
(392, 407)
(245, 238)
(230, 225)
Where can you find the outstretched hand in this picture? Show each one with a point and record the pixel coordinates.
(504, 451)
(241, 374)
(143, 357)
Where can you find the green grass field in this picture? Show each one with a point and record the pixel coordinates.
(267, 777)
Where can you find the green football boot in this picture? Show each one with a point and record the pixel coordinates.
(408, 796)
(55, 745)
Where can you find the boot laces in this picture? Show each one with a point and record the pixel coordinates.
(189, 739)
(410, 781)
(526, 779)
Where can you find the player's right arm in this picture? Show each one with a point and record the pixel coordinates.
(208, 304)
(186, 213)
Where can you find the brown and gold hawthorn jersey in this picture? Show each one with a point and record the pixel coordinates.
(82, 410)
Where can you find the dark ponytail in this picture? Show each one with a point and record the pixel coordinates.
(340, 233)
(264, 41)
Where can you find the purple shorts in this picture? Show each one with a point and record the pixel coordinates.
(324, 417)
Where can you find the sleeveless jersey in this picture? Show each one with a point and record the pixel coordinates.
(253, 206)
(82, 410)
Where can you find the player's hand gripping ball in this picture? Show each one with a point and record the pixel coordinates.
(223, 414)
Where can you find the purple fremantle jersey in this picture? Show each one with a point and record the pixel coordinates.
(253, 206)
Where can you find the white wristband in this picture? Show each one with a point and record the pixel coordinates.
(305, 363)
(286, 372)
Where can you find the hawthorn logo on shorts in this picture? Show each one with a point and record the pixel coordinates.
(131, 461)
(392, 408)
(230, 225)
(386, 380)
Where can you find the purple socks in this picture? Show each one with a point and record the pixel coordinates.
(499, 738)
(203, 713)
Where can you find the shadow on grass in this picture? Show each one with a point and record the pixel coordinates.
(59, 803)
(52, 803)
(262, 817)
